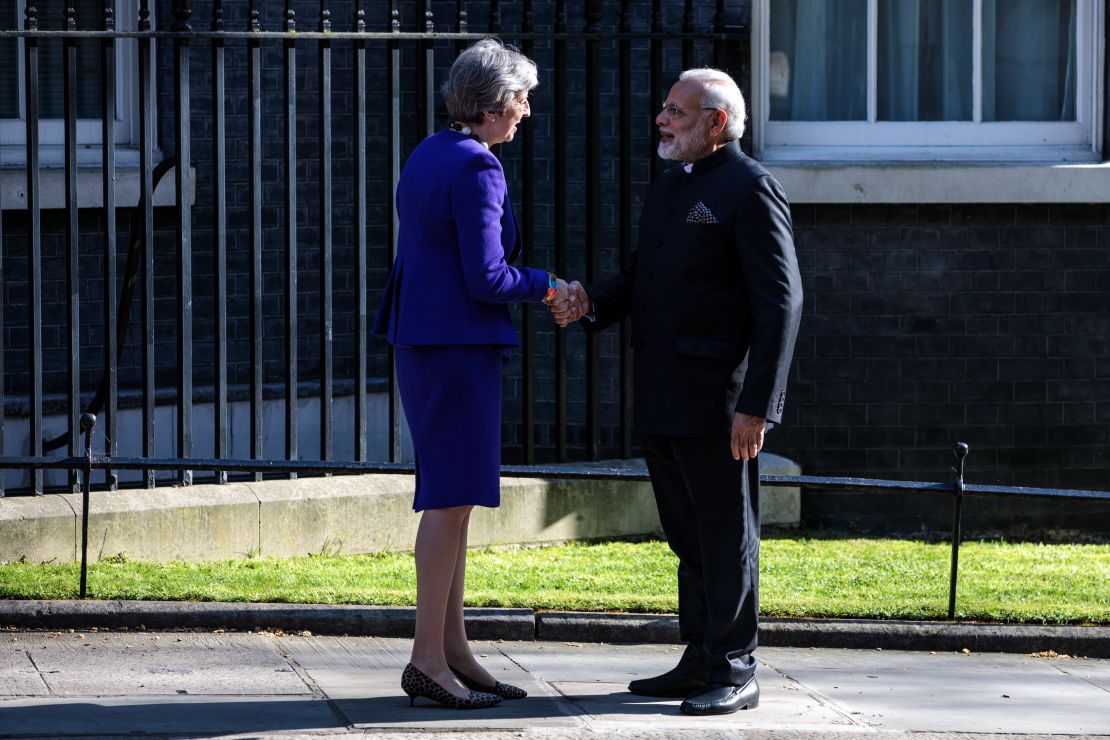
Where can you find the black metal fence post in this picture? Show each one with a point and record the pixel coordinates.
(88, 423)
(219, 238)
(146, 174)
(182, 115)
(561, 213)
(34, 238)
(361, 280)
(394, 92)
(73, 290)
(2, 413)
(289, 58)
(527, 257)
(326, 368)
(960, 451)
(625, 223)
(108, 152)
(254, 147)
(594, 16)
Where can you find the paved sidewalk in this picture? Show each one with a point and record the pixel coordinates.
(262, 684)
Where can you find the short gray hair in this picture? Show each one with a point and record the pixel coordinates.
(485, 78)
(721, 92)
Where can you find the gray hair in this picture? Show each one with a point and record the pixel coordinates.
(722, 93)
(485, 78)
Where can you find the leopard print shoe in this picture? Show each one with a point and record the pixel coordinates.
(415, 682)
(504, 690)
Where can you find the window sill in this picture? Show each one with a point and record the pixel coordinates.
(90, 188)
(942, 182)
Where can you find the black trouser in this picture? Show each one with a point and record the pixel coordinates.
(709, 508)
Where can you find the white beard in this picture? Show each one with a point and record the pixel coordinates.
(666, 151)
(683, 148)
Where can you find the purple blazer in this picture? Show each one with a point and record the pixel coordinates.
(451, 280)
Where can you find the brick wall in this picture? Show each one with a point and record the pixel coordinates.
(927, 325)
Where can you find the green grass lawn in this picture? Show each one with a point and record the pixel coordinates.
(800, 577)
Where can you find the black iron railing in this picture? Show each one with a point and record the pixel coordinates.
(574, 48)
(957, 488)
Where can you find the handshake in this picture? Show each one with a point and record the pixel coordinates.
(569, 303)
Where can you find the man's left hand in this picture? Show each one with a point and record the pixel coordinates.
(747, 436)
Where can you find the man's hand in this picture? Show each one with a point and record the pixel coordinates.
(576, 305)
(747, 436)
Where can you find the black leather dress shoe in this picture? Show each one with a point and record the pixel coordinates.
(675, 683)
(721, 698)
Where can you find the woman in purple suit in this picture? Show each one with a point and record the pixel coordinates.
(445, 311)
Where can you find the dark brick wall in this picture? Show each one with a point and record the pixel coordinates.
(927, 325)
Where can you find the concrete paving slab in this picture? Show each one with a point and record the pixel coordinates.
(140, 664)
(18, 676)
(954, 693)
(577, 662)
(839, 659)
(782, 706)
(1094, 672)
(362, 676)
(167, 715)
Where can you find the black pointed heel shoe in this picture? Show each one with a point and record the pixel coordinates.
(415, 682)
(504, 690)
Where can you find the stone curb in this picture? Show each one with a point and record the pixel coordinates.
(525, 624)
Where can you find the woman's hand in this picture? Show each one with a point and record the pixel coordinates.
(576, 305)
(561, 292)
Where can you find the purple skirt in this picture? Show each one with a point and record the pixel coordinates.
(452, 400)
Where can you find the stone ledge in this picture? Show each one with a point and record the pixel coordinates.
(341, 514)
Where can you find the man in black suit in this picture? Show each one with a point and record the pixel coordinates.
(715, 299)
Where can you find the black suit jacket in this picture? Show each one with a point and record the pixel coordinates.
(715, 298)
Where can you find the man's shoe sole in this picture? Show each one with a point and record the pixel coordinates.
(749, 705)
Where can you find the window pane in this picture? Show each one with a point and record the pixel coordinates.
(1029, 60)
(52, 65)
(924, 60)
(9, 65)
(818, 61)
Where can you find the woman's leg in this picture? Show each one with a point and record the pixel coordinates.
(437, 561)
(455, 644)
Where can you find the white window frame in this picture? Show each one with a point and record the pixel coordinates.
(13, 131)
(976, 140)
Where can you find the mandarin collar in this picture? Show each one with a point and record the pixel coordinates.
(728, 151)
